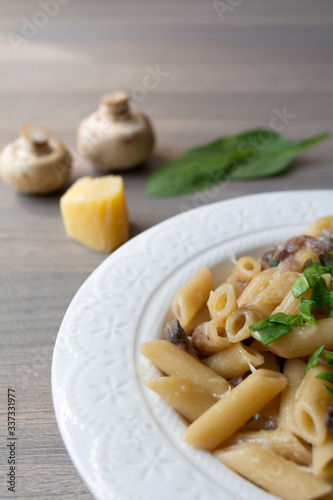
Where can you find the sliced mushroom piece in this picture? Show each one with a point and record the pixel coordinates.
(175, 334)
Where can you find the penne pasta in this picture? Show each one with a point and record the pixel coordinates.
(232, 411)
(267, 300)
(173, 361)
(192, 297)
(282, 442)
(294, 370)
(234, 361)
(322, 458)
(247, 268)
(202, 316)
(303, 340)
(311, 404)
(237, 324)
(271, 361)
(208, 338)
(183, 395)
(222, 302)
(270, 411)
(272, 472)
(238, 284)
(256, 286)
(290, 305)
(315, 229)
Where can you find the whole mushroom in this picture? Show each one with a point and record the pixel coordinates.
(35, 163)
(115, 137)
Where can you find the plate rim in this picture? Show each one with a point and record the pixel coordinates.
(70, 447)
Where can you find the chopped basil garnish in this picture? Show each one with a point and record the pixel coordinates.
(305, 308)
(300, 286)
(286, 319)
(314, 360)
(315, 268)
(274, 263)
(329, 389)
(274, 332)
(329, 357)
(260, 325)
(330, 303)
(319, 290)
(275, 326)
(326, 376)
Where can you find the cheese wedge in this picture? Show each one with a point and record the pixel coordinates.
(94, 212)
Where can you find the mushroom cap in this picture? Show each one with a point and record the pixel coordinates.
(35, 163)
(114, 99)
(115, 144)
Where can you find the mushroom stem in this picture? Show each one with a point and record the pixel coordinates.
(34, 138)
(114, 104)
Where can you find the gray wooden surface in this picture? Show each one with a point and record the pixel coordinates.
(221, 74)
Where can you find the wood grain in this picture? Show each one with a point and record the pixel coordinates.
(223, 76)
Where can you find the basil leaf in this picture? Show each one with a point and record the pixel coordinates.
(305, 308)
(315, 268)
(250, 155)
(274, 332)
(329, 389)
(300, 286)
(274, 263)
(330, 303)
(278, 318)
(319, 290)
(260, 325)
(329, 357)
(314, 360)
(272, 154)
(326, 376)
(286, 319)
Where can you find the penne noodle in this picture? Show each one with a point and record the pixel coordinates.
(275, 292)
(237, 324)
(233, 361)
(258, 346)
(201, 316)
(322, 458)
(270, 411)
(192, 297)
(247, 268)
(271, 361)
(272, 472)
(183, 395)
(303, 340)
(207, 338)
(234, 409)
(238, 284)
(305, 254)
(289, 304)
(173, 361)
(256, 286)
(222, 302)
(282, 442)
(311, 404)
(315, 229)
(294, 370)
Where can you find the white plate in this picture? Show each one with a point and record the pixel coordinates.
(123, 439)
